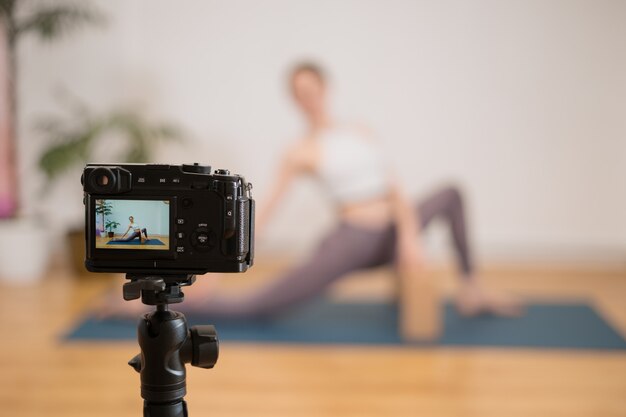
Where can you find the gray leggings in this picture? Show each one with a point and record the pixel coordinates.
(134, 236)
(346, 249)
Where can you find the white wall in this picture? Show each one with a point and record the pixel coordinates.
(523, 103)
(153, 215)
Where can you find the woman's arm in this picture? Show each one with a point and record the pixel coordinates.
(407, 233)
(298, 160)
(420, 316)
(126, 231)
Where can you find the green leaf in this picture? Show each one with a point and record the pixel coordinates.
(51, 21)
(7, 7)
(69, 148)
(111, 225)
(72, 142)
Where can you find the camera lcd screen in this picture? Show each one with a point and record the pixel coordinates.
(132, 224)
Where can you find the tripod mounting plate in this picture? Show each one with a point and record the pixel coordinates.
(156, 289)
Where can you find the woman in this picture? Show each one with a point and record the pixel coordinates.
(377, 225)
(137, 231)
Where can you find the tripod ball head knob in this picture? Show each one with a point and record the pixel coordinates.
(205, 346)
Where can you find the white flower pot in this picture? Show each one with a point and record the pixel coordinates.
(24, 251)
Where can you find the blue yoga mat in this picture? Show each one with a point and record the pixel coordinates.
(562, 325)
(137, 242)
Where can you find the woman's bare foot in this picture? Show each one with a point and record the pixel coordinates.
(474, 299)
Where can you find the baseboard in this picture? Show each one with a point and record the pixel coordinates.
(522, 255)
(563, 255)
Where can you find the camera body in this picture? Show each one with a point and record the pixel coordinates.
(167, 219)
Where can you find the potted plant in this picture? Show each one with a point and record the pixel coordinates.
(103, 208)
(111, 226)
(71, 140)
(18, 20)
(74, 139)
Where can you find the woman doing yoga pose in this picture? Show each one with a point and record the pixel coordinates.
(377, 224)
(136, 232)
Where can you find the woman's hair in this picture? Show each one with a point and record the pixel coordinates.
(308, 66)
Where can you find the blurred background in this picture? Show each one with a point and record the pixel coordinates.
(521, 103)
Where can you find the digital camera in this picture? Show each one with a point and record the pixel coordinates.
(167, 219)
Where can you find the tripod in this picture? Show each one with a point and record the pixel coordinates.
(167, 344)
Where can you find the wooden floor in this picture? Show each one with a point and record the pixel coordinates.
(42, 376)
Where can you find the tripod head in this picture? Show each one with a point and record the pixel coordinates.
(157, 290)
(167, 344)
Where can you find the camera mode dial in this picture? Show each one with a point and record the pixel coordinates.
(196, 168)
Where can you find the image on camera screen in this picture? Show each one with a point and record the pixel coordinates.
(132, 224)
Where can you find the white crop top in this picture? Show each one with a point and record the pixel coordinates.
(351, 167)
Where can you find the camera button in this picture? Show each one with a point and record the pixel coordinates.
(180, 235)
(187, 203)
(180, 221)
(180, 249)
(203, 239)
(196, 168)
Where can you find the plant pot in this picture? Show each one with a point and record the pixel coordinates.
(76, 243)
(111, 234)
(24, 251)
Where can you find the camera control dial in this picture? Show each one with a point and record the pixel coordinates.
(196, 168)
(203, 239)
